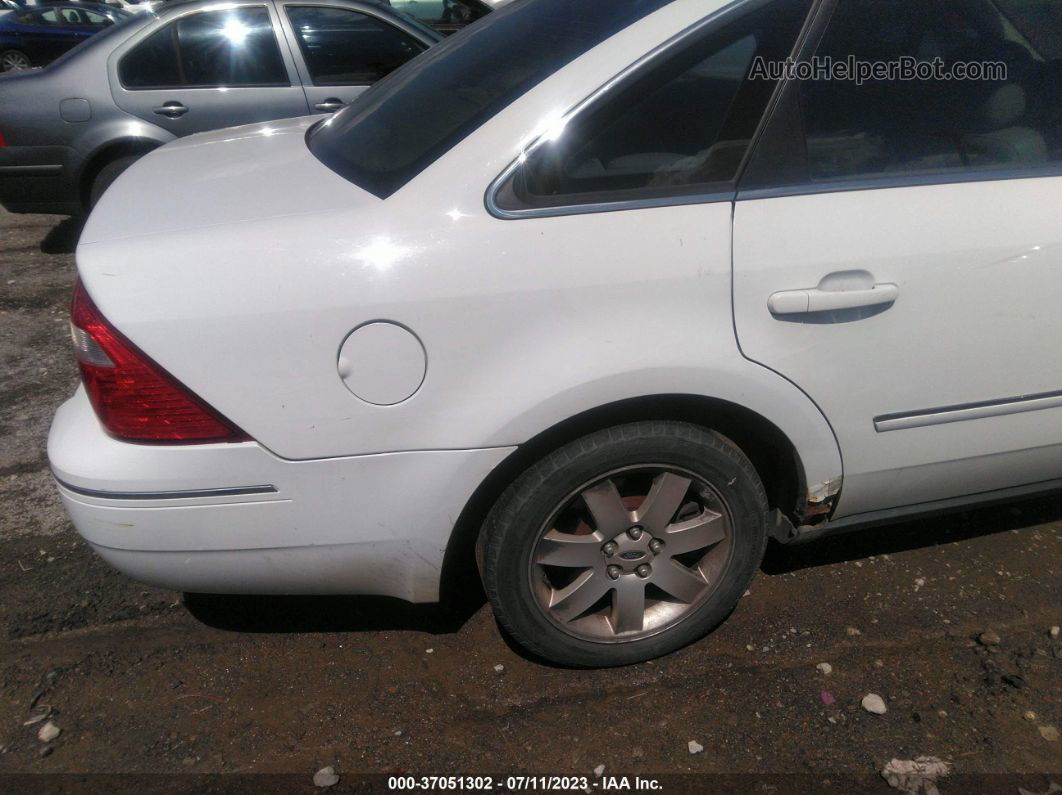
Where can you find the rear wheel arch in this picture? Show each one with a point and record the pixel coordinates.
(770, 451)
(104, 156)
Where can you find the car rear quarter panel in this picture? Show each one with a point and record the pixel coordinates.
(525, 323)
(35, 131)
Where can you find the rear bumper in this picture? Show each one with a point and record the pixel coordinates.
(38, 179)
(233, 518)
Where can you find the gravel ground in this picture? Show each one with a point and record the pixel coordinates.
(146, 681)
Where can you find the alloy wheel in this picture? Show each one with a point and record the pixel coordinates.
(13, 61)
(631, 554)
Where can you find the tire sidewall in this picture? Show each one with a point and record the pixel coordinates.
(107, 176)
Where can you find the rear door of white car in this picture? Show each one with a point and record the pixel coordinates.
(898, 251)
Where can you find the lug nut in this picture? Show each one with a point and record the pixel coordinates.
(635, 532)
(609, 549)
(614, 572)
(656, 545)
(643, 571)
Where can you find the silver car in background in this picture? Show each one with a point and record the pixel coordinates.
(69, 130)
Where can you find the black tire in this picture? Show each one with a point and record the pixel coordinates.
(107, 175)
(530, 506)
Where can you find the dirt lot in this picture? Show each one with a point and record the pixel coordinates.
(146, 681)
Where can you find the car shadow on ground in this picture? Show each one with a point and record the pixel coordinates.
(929, 531)
(287, 614)
(62, 238)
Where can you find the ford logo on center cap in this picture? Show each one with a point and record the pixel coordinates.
(634, 554)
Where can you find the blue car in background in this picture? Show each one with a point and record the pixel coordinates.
(37, 35)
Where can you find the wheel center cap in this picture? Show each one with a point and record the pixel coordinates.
(630, 554)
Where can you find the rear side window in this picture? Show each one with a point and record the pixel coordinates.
(153, 63)
(994, 101)
(343, 47)
(405, 122)
(230, 48)
(908, 127)
(682, 127)
(235, 47)
(98, 20)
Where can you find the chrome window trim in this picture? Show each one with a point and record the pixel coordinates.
(607, 207)
(901, 181)
(490, 199)
(968, 411)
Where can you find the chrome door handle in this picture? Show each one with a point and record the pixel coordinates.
(329, 105)
(171, 109)
(803, 302)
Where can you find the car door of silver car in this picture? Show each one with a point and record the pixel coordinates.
(898, 253)
(209, 68)
(342, 48)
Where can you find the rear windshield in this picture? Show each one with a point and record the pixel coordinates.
(408, 120)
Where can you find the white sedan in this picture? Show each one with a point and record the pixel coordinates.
(592, 298)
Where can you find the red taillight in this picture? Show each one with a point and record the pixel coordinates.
(3, 141)
(133, 397)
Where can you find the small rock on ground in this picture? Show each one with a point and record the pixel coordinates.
(874, 703)
(325, 777)
(1049, 733)
(989, 638)
(599, 771)
(1054, 632)
(49, 731)
(694, 746)
(824, 668)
